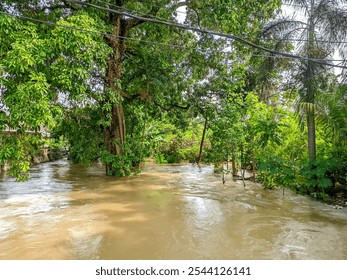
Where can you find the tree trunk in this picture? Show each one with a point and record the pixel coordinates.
(202, 141)
(310, 90)
(253, 156)
(243, 168)
(114, 135)
(233, 164)
(311, 133)
(114, 132)
(253, 164)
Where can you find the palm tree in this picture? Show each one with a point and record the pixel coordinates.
(319, 36)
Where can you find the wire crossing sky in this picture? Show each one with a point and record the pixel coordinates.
(178, 25)
(210, 32)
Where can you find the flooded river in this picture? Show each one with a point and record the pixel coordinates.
(67, 211)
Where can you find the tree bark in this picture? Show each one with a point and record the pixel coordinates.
(202, 141)
(311, 133)
(114, 133)
(253, 164)
(233, 164)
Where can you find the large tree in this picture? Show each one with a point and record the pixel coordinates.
(104, 80)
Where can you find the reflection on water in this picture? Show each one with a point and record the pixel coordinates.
(67, 211)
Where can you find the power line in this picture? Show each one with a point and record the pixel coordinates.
(293, 5)
(303, 40)
(92, 31)
(124, 38)
(203, 31)
(264, 39)
(132, 39)
(53, 23)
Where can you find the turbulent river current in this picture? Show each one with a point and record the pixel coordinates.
(67, 211)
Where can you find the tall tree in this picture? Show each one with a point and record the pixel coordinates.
(104, 85)
(319, 36)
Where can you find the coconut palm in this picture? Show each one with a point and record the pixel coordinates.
(319, 30)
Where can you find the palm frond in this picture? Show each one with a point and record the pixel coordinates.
(332, 115)
(331, 21)
(298, 4)
(308, 107)
(282, 26)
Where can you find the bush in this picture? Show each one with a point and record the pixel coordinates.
(277, 172)
(322, 177)
(160, 159)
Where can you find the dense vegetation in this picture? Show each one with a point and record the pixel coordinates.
(122, 81)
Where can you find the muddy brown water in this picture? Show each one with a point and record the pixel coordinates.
(67, 211)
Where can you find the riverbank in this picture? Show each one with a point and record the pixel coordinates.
(339, 200)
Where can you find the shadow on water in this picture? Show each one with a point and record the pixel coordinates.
(68, 211)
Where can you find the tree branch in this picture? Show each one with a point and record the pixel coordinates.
(55, 7)
(69, 5)
(148, 98)
(141, 95)
(171, 106)
(134, 22)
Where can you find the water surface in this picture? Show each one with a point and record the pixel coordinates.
(67, 211)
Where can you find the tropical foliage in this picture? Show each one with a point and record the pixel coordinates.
(122, 81)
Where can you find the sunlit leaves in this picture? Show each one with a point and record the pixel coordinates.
(78, 55)
(40, 65)
(231, 16)
(265, 123)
